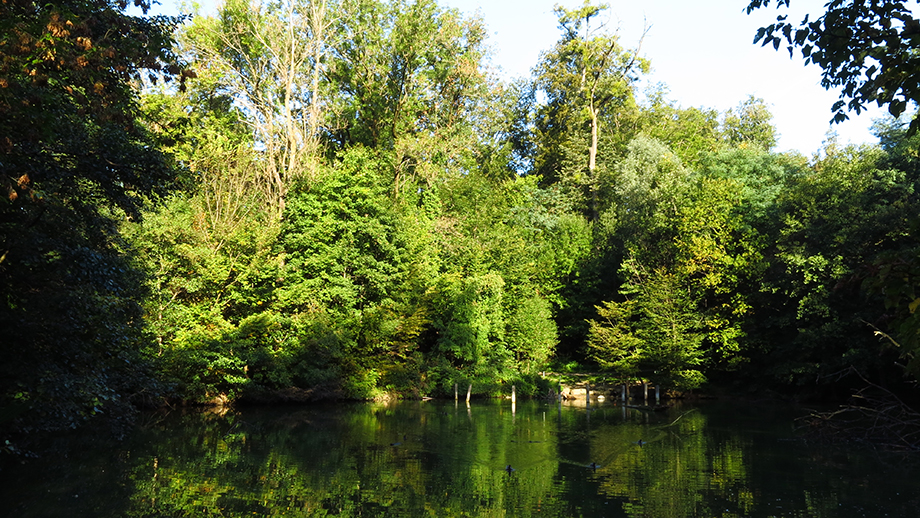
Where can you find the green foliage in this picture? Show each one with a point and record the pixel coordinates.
(689, 252)
(470, 323)
(527, 236)
(404, 70)
(893, 274)
(866, 49)
(68, 119)
(611, 341)
(75, 162)
(588, 81)
(691, 133)
(645, 190)
(831, 224)
(763, 176)
(670, 329)
(656, 333)
(719, 255)
(358, 210)
(530, 333)
(369, 244)
(205, 274)
(342, 246)
(749, 125)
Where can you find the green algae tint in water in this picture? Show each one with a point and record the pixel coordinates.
(443, 459)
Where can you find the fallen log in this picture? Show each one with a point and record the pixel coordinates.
(647, 408)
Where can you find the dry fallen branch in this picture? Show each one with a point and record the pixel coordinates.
(874, 415)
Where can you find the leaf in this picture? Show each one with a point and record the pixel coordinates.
(913, 305)
(897, 107)
(787, 32)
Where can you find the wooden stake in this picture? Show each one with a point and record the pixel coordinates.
(513, 395)
(468, 392)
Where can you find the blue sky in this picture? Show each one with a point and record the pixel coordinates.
(701, 50)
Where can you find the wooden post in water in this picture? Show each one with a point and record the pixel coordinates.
(587, 395)
(623, 391)
(645, 389)
(455, 392)
(468, 392)
(513, 395)
(657, 392)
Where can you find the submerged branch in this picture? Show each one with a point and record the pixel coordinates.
(874, 415)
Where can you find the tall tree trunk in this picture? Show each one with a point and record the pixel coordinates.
(592, 162)
(318, 25)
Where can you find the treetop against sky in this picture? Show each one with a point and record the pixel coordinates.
(705, 56)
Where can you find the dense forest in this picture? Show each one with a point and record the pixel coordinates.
(298, 200)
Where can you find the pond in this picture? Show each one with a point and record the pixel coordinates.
(438, 458)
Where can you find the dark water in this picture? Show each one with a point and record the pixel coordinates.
(440, 459)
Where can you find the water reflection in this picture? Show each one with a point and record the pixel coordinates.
(443, 459)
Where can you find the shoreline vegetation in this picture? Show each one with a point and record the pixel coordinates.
(307, 200)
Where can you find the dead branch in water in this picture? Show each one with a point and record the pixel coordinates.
(874, 415)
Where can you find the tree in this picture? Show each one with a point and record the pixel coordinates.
(67, 73)
(671, 329)
(269, 59)
(656, 333)
(868, 49)
(587, 77)
(828, 226)
(507, 250)
(612, 342)
(763, 176)
(645, 192)
(75, 162)
(342, 239)
(692, 133)
(750, 124)
(354, 288)
(688, 250)
(407, 80)
(895, 274)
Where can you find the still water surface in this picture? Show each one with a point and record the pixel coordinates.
(444, 459)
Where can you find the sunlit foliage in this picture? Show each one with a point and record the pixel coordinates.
(339, 199)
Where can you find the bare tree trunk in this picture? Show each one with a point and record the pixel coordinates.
(592, 161)
(278, 85)
(318, 25)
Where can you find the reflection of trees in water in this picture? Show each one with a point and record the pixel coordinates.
(679, 472)
(392, 460)
(412, 458)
